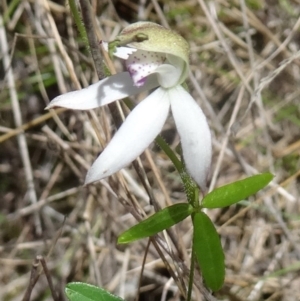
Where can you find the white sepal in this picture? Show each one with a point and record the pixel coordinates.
(140, 128)
(109, 89)
(194, 133)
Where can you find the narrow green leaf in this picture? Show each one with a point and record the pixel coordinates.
(209, 252)
(235, 192)
(78, 291)
(157, 222)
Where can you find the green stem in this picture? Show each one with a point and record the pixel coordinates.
(78, 22)
(170, 153)
(191, 275)
(196, 198)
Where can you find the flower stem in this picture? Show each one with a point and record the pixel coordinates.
(170, 153)
(191, 275)
(79, 22)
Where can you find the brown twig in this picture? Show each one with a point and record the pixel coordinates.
(48, 276)
(142, 271)
(87, 16)
(34, 276)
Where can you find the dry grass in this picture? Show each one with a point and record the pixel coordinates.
(245, 73)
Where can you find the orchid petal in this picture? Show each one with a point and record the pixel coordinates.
(170, 75)
(194, 134)
(107, 90)
(167, 75)
(140, 128)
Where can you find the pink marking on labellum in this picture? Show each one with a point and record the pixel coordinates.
(141, 64)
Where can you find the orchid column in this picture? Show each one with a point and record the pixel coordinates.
(155, 57)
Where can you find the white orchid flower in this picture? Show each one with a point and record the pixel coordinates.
(154, 57)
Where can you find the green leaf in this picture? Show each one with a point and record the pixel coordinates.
(78, 291)
(209, 252)
(157, 222)
(235, 192)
